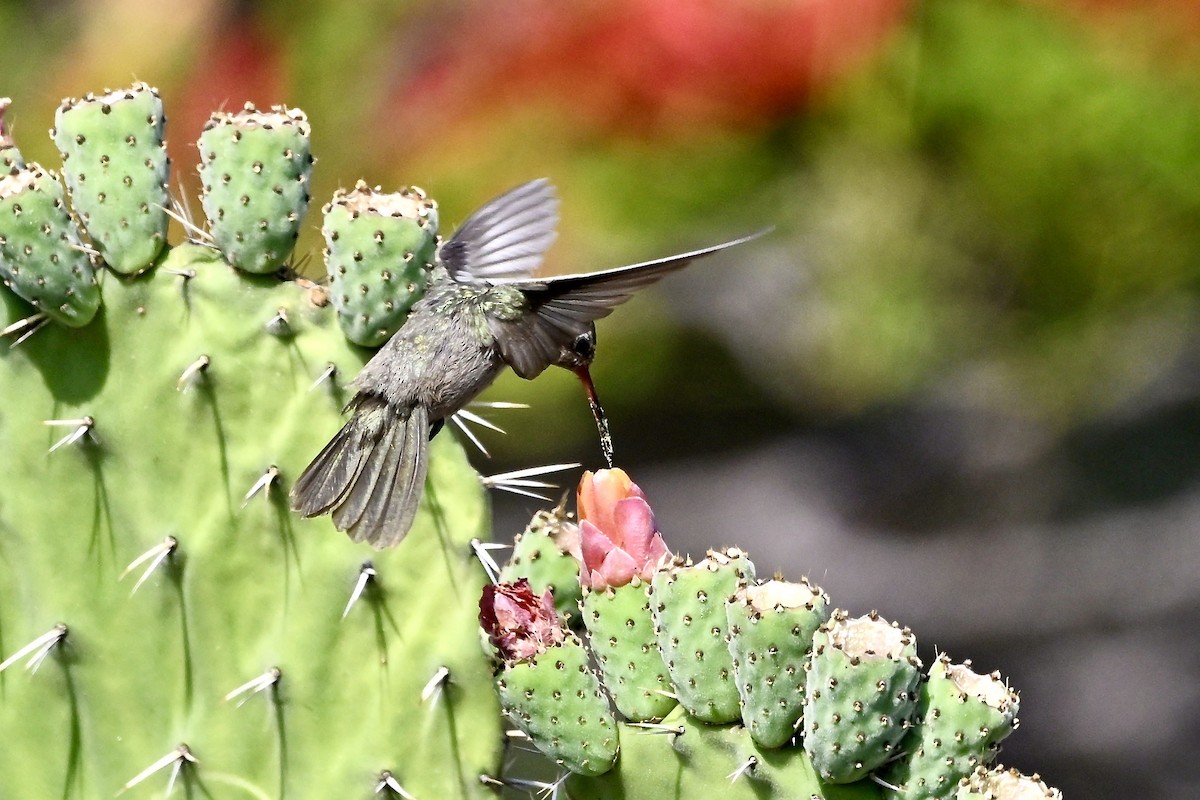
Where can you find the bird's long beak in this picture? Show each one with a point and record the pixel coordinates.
(606, 444)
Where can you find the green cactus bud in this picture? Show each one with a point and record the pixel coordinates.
(683, 758)
(860, 694)
(546, 554)
(622, 636)
(255, 169)
(378, 249)
(10, 156)
(116, 169)
(1004, 784)
(545, 684)
(688, 602)
(41, 256)
(960, 719)
(771, 627)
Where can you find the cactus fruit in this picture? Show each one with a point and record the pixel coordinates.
(620, 549)
(177, 421)
(10, 156)
(255, 168)
(42, 258)
(116, 169)
(545, 684)
(860, 694)
(771, 627)
(621, 634)
(378, 251)
(688, 601)
(546, 553)
(1004, 784)
(960, 719)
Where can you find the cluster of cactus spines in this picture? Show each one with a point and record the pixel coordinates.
(255, 168)
(378, 250)
(1004, 784)
(546, 686)
(960, 719)
(771, 627)
(688, 602)
(178, 623)
(116, 169)
(10, 155)
(860, 696)
(42, 257)
(545, 554)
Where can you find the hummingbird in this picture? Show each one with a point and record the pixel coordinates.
(484, 309)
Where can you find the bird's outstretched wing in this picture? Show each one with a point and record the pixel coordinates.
(505, 239)
(564, 307)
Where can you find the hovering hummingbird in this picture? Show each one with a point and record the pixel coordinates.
(483, 309)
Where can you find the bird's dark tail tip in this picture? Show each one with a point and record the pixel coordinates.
(371, 473)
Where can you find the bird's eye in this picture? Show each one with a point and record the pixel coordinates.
(585, 345)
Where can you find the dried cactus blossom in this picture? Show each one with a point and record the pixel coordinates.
(520, 624)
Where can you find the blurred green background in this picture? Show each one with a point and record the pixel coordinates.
(959, 380)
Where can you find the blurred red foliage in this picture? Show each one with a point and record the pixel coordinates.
(643, 66)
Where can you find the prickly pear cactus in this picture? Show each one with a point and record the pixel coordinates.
(115, 166)
(960, 719)
(688, 602)
(255, 168)
(164, 618)
(378, 249)
(42, 256)
(771, 627)
(860, 694)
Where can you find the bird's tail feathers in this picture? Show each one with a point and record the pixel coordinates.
(371, 474)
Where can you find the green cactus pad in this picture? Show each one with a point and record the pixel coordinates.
(960, 719)
(688, 602)
(860, 695)
(199, 418)
(1004, 784)
(378, 249)
(255, 169)
(542, 555)
(116, 169)
(771, 626)
(10, 156)
(42, 258)
(621, 633)
(682, 759)
(557, 701)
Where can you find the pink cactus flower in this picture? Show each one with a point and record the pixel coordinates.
(619, 536)
(519, 624)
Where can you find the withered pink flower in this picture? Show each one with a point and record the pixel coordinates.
(519, 624)
(619, 536)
